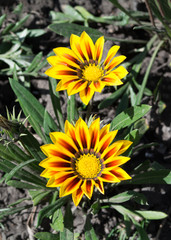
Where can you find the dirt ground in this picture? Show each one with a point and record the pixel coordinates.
(16, 227)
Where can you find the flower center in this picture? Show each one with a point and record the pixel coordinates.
(92, 73)
(88, 166)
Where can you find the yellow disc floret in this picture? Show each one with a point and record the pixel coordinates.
(88, 166)
(92, 73)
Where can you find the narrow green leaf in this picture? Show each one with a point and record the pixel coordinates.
(89, 230)
(49, 125)
(128, 195)
(55, 97)
(152, 215)
(10, 211)
(67, 233)
(24, 185)
(17, 168)
(50, 209)
(2, 18)
(47, 236)
(38, 195)
(31, 107)
(113, 97)
(72, 113)
(129, 116)
(18, 201)
(20, 23)
(35, 62)
(152, 177)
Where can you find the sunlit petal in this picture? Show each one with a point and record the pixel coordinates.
(77, 196)
(69, 186)
(86, 95)
(87, 188)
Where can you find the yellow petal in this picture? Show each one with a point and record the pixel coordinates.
(120, 173)
(99, 185)
(113, 162)
(47, 173)
(94, 133)
(97, 86)
(87, 188)
(76, 47)
(106, 140)
(99, 49)
(108, 177)
(86, 95)
(56, 164)
(112, 150)
(87, 46)
(115, 62)
(69, 186)
(76, 86)
(104, 131)
(112, 51)
(77, 196)
(60, 139)
(125, 145)
(58, 179)
(82, 134)
(120, 72)
(112, 79)
(70, 131)
(52, 151)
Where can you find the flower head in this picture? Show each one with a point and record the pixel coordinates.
(84, 157)
(80, 69)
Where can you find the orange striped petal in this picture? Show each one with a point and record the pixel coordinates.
(70, 131)
(94, 134)
(108, 177)
(120, 72)
(113, 162)
(120, 173)
(67, 54)
(76, 87)
(60, 72)
(76, 47)
(99, 49)
(58, 179)
(77, 196)
(47, 173)
(115, 62)
(112, 51)
(112, 79)
(56, 164)
(87, 188)
(99, 185)
(82, 134)
(125, 145)
(111, 151)
(69, 186)
(106, 140)
(97, 86)
(51, 150)
(64, 83)
(87, 46)
(104, 131)
(86, 95)
(60, 139)
(59, 60)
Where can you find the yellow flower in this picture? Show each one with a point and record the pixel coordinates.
(80, 68)
(82, 158)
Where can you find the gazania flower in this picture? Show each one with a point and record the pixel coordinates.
(80, 68)
(82, 158)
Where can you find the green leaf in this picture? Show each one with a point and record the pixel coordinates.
(20, 23)
(128, 195)
(10, 211)
(17, 168)
(89, 230)
(70, 11)
(35, 62)
(24, 185)
(50, 209)
(152, 177)
(152, 215)
(55, 97)
(58, 221)
(38, 195)
(66, 30)
(2, 18)
(113, 97)
(67, 233)
(72, 113)
(47, 236)
(129, 116)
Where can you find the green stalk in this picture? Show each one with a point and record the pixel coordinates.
(140, 94)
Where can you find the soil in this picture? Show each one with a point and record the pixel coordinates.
(17, 226)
